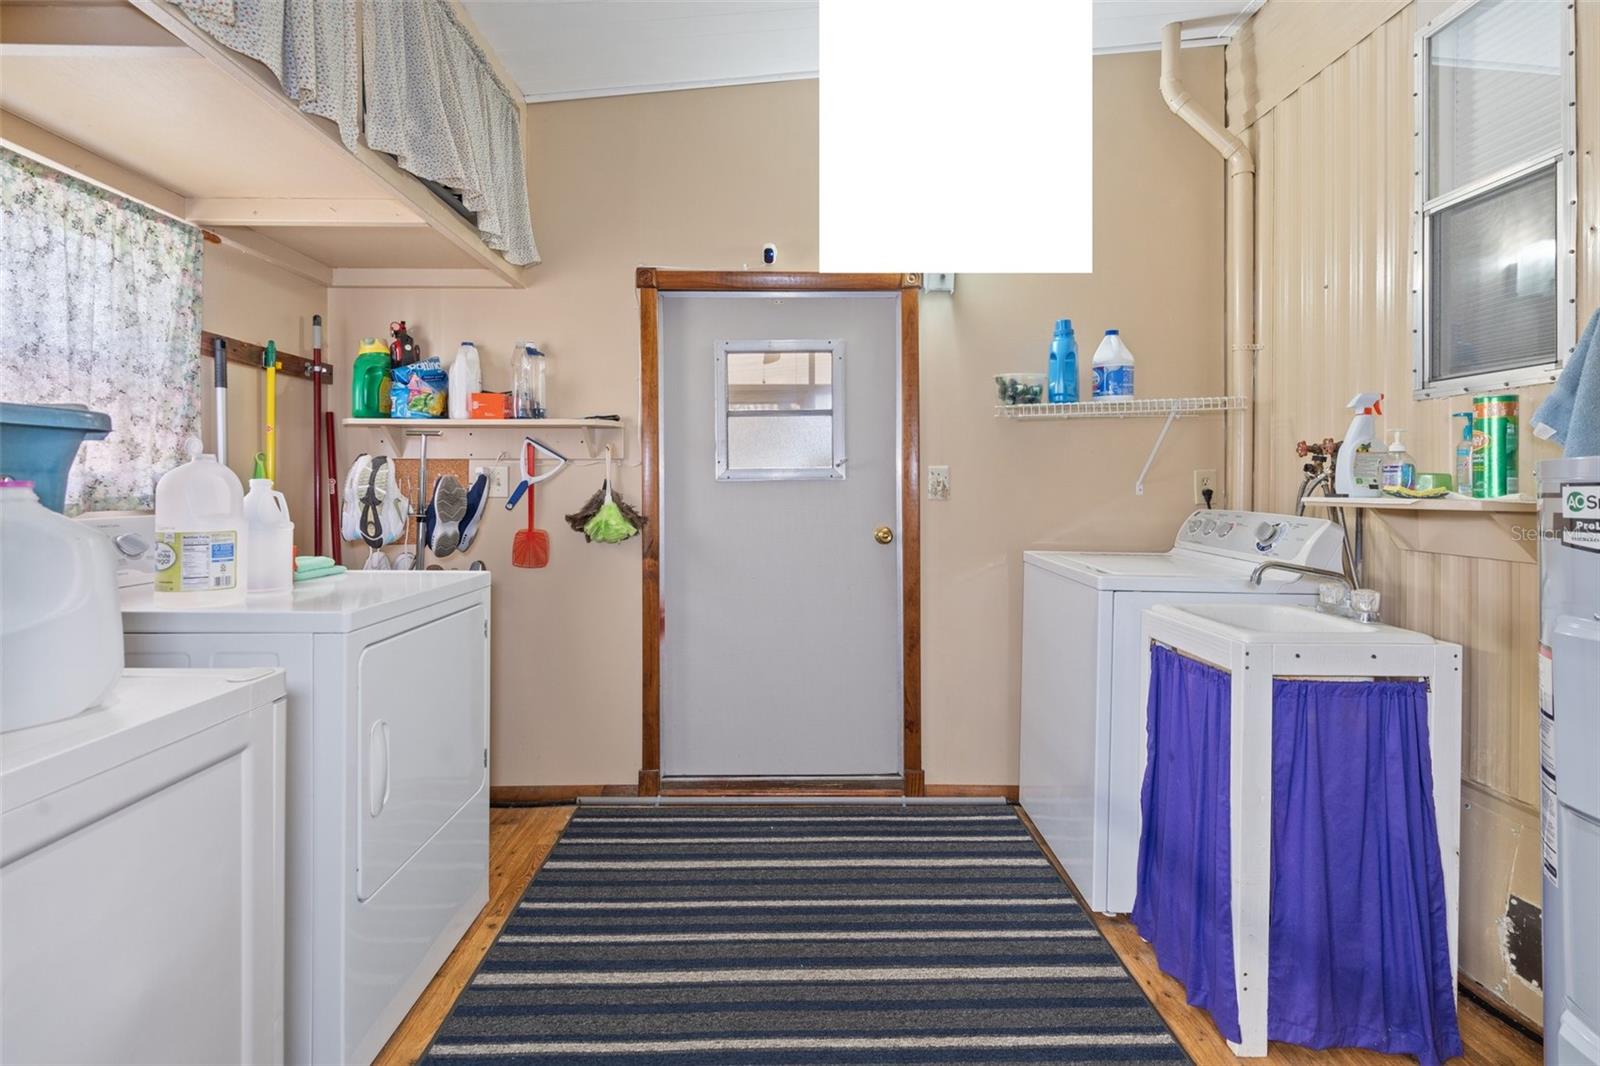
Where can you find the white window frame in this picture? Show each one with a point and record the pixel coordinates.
(1424, 384)
(836, 472)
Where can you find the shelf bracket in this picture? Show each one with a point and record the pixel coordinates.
(1161, 438)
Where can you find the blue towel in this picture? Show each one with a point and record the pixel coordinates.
(1571, 413)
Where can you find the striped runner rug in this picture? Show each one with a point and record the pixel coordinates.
(789, 935)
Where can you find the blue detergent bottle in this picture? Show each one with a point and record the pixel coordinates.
(1064, 363)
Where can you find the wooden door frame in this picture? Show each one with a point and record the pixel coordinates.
(651, 282)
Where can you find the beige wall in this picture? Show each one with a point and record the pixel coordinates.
(1334, 147)
(1158, 221)
(699, 178)
(251, 300)
(703, 179)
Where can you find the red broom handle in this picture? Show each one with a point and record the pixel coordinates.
(333, 489)
(316, 434)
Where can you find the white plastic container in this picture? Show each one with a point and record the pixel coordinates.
(200, 535)
(1113, 367)
(528, 381)
(60, 626)
(1398, 471)
(466, 378)
(269, 540)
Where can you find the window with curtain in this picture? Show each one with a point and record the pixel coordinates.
(100, 305)
(1493, 301)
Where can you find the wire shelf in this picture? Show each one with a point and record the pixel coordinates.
(1132, 407)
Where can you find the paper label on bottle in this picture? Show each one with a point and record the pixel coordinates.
(1113, 380)
(1366, 469)
(1578, 520)
(196, 561)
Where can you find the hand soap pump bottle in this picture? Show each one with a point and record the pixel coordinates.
(1358, 471)
(1398, 472)
(1063, 380)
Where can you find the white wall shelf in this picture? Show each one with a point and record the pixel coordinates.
(1504, 528)
(598, 433)
(1127, 407)
(1171, 408)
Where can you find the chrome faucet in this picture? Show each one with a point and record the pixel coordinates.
(1309, 571)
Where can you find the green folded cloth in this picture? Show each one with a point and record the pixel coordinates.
(322, 571)
(303, 563)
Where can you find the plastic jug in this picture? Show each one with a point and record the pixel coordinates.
(527, 381)
(1113, 367)
(269, 540)
(369, 381)
(466, 378)
(60, 625)
(201, 547)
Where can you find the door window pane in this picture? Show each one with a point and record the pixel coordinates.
(1494, 89)
(777, 412)
(1493, 300)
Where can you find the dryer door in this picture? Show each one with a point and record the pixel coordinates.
(422, 696)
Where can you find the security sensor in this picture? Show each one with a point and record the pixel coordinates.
(769, 254)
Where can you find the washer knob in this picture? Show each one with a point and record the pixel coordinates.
(1267, 533)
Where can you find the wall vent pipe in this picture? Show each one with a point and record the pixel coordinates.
(1242, 347)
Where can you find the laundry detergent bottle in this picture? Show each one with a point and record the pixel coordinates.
(200, 535)
(1359, 469)
(369, 381)
(1063, 379)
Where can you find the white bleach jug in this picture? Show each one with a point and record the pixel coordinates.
(200, 535)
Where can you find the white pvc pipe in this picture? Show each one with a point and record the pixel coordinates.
(1240, 372)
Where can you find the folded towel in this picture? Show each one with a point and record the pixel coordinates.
(303, 563)
(325, 571)
(1571, 413)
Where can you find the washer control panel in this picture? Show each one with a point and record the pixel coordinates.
(1262, 535)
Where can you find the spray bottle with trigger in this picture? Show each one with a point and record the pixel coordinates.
(1358, 471)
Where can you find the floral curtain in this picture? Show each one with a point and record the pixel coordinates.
(310, 45)
(434, 103)
(100, 305)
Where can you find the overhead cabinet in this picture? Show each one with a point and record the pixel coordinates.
(353, 143)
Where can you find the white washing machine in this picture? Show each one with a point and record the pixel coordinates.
(1083, 733)
(142, 877)
(388, 780)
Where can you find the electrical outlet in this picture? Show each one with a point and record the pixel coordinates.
(1204, 479)
(938, 482)
(499, 480)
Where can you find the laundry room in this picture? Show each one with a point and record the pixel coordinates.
(507, 555)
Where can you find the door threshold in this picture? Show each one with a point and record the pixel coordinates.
(873, 786)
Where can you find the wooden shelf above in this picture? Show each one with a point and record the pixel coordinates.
(1506, 528)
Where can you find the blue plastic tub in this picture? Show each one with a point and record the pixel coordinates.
(38, 443)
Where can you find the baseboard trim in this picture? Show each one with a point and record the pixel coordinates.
(552, 795)
(561, 795)
(1498, 1007)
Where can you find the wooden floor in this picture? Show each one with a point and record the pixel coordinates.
(521, 837)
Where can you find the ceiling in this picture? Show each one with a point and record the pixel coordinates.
(567, 49)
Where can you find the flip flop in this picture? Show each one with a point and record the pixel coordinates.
(445, 512)
(477, 504)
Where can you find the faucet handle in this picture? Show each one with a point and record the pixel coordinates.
(1364, 604)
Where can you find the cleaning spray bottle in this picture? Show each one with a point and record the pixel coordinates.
(1358, 471)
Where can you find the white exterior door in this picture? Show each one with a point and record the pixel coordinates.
(780, 466)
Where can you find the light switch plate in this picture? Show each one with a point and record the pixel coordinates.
(499, 480)
(938, 482)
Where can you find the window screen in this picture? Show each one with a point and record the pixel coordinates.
(779, 410)
(1489, 306)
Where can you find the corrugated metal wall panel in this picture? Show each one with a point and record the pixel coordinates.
(1333, 245)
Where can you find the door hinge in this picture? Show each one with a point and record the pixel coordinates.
(485, 758)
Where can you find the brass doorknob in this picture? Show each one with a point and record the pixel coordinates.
(883, 535)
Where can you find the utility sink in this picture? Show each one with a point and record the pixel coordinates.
(1253, 623)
